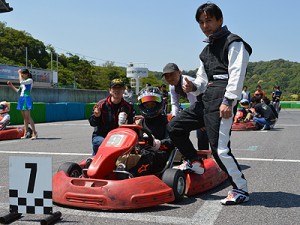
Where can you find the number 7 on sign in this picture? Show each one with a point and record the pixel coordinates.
(32, 177)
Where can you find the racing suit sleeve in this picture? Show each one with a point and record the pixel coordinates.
(174, 101)
(238, 58)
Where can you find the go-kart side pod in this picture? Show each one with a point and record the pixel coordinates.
(212, 177)
(13, 133)
(243, 126)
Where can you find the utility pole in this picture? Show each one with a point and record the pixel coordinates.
(26, 55)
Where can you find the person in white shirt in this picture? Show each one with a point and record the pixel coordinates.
(128, 94)
(246, 94)
(175, 79)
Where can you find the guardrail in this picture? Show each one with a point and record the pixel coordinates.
(64, 111)
(52, 112)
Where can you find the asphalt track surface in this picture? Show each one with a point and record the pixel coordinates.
(270, 161)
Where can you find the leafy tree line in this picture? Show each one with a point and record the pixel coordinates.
(87, 75)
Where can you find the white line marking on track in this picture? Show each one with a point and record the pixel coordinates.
(88, 154)
(269, 160)
(286, 125)
(206, 214)
(9, 141)
(250, 148)
(45, 153)
(65, 124)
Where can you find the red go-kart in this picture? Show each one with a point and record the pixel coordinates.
(10, 133)
(99, 184)
(239, 125)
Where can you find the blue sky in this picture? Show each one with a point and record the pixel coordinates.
(154, 32)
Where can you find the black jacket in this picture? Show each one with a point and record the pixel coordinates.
(108, 119)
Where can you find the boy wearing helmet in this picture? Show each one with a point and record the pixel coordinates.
(4, 116)
(154, 156)
(244, 110)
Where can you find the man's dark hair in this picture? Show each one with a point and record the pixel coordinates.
(255, 99)
(266, 100)
(210, 9)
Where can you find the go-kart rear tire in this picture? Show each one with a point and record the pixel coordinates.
(71, 169)
(176, 180)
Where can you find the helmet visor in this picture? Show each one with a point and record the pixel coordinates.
(150, 98)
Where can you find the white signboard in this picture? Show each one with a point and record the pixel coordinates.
(30, 185)
(137, 72)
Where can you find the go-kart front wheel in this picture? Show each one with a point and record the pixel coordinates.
(176, 180)
(71, 169)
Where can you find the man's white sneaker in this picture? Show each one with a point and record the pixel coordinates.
(235, 197)
(196, 166)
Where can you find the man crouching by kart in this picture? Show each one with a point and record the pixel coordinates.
(4, 116)
(264, 116)
(155, 155)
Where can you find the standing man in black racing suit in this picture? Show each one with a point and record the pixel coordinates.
(220, 77)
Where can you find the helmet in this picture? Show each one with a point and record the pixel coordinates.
(244, 103)
(150, 94)
(4, 107)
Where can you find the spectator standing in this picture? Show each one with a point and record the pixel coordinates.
(259, 92)
(25, 101)
(128, 94)
(246, 94)
(276, 95)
